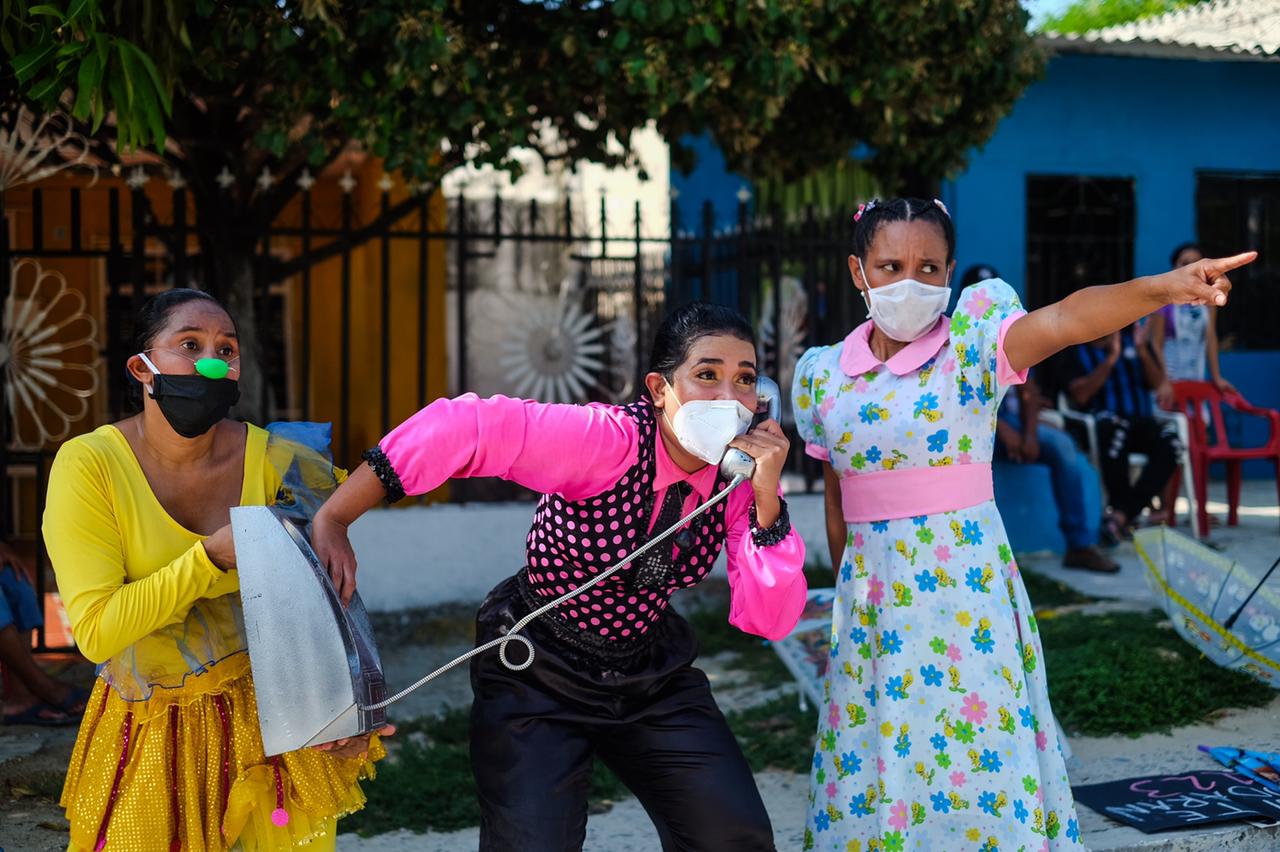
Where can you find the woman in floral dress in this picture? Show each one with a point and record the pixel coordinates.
(937, 732)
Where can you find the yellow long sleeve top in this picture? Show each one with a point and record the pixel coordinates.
(169, 754)
(125, 568)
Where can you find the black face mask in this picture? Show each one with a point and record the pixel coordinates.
(193, 404)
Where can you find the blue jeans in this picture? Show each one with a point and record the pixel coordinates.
(1067, 466)
(18, 604)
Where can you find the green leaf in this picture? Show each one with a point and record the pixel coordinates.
(157, 84)
(47, 10)
(26, 66)
(621, 40)
(711, 34)
(99, 110)
(126, 71)
(124, 118)
(88, 79)
(49, 88)
(665, 11)
(150, 114)
(78, 8)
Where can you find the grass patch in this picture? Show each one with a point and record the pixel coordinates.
(428, 786)
(776, 735)
(1047, 593)
(1130, 673)
(38, 783)
(751, 653)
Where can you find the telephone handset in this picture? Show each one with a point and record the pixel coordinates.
(736, 463)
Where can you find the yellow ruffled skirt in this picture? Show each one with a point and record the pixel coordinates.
(185, 770)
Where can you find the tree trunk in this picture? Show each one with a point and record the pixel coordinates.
(233, 278)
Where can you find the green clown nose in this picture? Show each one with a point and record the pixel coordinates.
(212, 368)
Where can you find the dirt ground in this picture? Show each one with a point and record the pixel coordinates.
(33, 762)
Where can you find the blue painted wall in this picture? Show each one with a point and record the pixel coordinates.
(1100, 116)
(1109, 116)
(711, 181)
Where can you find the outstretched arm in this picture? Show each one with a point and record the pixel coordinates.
(1097, 311)
(572, 450)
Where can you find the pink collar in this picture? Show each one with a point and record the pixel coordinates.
(857, 358)
(702, 480)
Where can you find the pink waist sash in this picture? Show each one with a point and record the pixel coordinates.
(885, 495)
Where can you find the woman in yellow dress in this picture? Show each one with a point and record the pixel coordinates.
(169, 754)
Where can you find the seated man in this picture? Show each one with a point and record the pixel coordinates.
(1113, 377)
(31, 696)
(1020, 437)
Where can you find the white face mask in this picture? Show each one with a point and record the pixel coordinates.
(705, 427)
(905, 310)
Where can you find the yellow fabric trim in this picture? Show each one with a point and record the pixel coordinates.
(1201, 616)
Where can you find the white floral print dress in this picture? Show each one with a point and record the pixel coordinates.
(937, 733)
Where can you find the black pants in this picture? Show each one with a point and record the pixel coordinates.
(650, 718)
(1117, 437)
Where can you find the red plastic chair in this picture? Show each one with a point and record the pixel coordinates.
(1192, 399)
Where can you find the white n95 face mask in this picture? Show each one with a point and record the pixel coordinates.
(705, 427)
(905, 310)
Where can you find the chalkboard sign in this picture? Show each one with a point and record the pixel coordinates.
(1187, 799)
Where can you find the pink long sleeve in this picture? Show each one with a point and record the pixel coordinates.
(767, 584)
(576, 451)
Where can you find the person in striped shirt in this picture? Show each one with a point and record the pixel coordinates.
(1113, 378)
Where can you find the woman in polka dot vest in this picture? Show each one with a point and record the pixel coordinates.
(613, 674)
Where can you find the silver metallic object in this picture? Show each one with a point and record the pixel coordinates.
(315, 665)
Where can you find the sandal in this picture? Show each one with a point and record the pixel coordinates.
(1114, 532)
(75, 703)
(1089, 559)
(40, 714)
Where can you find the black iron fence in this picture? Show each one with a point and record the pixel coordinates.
(357, 307)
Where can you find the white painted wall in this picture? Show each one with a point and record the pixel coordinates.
(622, 188)
(426, 555)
